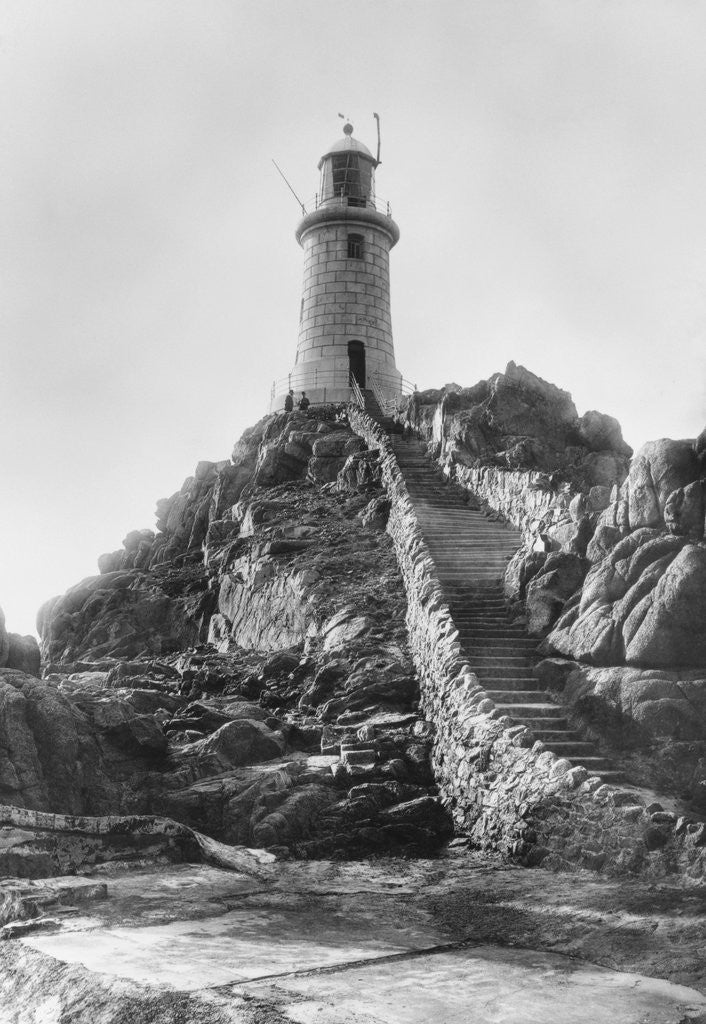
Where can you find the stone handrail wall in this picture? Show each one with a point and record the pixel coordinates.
(508, 792)
(521, 496)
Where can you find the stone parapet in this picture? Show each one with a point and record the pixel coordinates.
(523, 497)
(508, 792)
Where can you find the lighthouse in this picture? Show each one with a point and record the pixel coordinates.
(344, 347)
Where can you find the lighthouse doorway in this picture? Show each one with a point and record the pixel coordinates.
(356, 362)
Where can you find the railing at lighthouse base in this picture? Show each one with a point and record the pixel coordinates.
(324, 387)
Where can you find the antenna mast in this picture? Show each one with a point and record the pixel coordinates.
(377, 118)
(290, 187)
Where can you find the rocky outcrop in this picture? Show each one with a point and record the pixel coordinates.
(39, 845)
(517, 421)
(643, 599)
(611, 572)
(18, 652)
(245, 667)
(506, 790)
(652, 722)
(613, 569)
(643, 604)
(127, 613)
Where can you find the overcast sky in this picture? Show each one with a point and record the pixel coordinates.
(545, 161)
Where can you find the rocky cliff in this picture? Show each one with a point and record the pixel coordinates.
(244, 669)
(251, 668)
(612, 572)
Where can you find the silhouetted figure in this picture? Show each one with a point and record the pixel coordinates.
(304, 403)
(289, 402)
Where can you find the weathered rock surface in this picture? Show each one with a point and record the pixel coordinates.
(515, 420)
(613, 574)
(652, 721)
(454, 939)
(18, 652)
(643, 604)
(560, 575)
(245, 666)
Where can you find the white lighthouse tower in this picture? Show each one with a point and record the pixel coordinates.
(345, 331)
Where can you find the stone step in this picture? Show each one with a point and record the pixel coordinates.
(540, 722)
(518, 689)
(611, 775)
(506, 673)
(443, 520)
(496, 614)
(471, 552)
(519, 697)
(527, 711)
(474, 589)
(481, 632)
(468, 575)
(473, 623)
(593, 762)
(358, 757)
(574, 748)
(549, 736)
(525, 643)
(468, 568)
(480, 651)
(472, 606)
(495, 661)
(468, 623)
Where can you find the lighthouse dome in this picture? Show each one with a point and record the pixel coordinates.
(348, 145)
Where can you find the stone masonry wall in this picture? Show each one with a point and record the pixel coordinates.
(522, 497)
(345, 299)
(508, 792)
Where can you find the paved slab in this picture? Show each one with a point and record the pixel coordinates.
(487, 985)
(462, 938)
(236, 946)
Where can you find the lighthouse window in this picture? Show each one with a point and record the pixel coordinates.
(355, 247)
(346, 175)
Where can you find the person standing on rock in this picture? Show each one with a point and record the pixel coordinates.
(289, 402)
(304, 403)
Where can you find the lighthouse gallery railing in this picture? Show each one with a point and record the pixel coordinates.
(387, 388)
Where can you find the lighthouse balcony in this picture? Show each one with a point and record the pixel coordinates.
(348, 197)
(337, 387)
(368, 211)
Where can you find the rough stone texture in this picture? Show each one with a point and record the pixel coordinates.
(35, 844)
(508, 792)
(516, 421)
(659, 468)
(127, 613)
(298, 592)
(642, 608)
(643, 604)
(560, 576)
(469, 938)
(305, 690)
(18, 652)
(653, 721)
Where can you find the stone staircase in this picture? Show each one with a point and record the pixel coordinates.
(471, 553)
(372, 407)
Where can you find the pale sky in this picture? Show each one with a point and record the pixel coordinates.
(545, 161)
